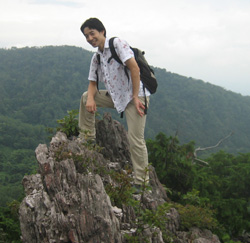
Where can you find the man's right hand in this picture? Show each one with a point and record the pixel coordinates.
(91, 105)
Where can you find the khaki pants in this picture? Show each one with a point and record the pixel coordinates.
(136, 127)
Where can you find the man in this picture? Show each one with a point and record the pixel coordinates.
(122, 94)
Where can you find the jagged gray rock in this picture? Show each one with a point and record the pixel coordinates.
(67, 201)
(112, 136)
(63, 205)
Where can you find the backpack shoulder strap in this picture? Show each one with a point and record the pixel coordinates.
(113, 52)
(98, 58)
(96, 71)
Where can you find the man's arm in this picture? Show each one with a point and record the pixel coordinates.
(135, 76)
(90, 104)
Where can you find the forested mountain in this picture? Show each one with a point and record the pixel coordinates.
(38, 85)
(201, 112)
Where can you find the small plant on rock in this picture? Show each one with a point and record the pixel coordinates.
(120, 192)
(69, 124)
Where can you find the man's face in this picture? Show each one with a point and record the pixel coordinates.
(94, 37)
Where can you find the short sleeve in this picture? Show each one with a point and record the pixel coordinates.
(123, 50)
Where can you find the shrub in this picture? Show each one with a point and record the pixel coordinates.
(69, 124)
(195, 216)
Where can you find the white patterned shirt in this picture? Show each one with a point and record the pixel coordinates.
(112, 74)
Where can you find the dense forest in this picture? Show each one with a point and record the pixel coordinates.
(220, 184)
(39, 85)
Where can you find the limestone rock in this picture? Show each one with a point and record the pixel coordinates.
(62, 205)
(112, 136)
(67, 200)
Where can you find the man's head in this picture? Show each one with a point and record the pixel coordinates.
(94, 32)
(93, 23)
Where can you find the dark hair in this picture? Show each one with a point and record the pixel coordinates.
(93, 23)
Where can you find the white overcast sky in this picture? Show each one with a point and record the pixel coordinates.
(202, 39)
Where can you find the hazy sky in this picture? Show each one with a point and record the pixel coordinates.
(202, 39)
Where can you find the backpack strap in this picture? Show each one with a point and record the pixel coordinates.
(115, 56)
(96, 72)
(113, 52)
(146, 101)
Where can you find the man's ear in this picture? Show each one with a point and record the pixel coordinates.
(102, 32)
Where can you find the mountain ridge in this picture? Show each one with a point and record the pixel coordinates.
(39, 84)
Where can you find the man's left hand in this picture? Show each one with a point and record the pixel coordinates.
(139, 106)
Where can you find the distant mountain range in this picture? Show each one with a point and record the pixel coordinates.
(39, 85)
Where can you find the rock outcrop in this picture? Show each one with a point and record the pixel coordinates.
(67, 200)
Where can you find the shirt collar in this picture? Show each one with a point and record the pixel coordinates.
(106, 45)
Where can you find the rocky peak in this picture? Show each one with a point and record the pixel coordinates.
(82, 193)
